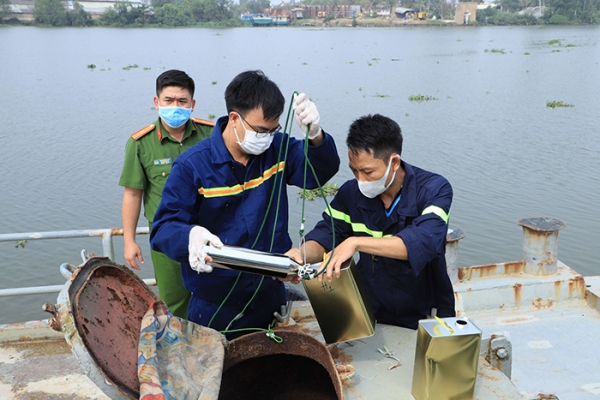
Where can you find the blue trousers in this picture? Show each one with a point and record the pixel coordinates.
(259, 314)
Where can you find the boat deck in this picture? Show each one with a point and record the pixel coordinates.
(37, 363)
(550, 321)
(554, 351)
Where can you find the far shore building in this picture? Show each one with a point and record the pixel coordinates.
(383, 10)
(23, 9)
(465, 13)
(404, 13)
(322, 11)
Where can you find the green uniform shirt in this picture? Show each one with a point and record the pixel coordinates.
(149, 155)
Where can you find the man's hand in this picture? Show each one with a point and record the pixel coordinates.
(199, 238)
(307, 114)
(295, 255)
(341, 254)
(133, 252)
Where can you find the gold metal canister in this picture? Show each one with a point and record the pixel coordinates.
(446, 359)
(342, 307)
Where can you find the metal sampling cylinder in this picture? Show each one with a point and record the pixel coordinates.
(446, 359)
(252, 261)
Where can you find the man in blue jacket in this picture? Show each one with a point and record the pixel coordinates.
(218, 192)
(396, 216)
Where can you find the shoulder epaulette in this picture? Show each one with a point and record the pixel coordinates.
(203, 121)
(142, 132)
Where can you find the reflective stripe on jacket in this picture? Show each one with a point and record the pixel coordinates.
(401, 291)
(203, 190)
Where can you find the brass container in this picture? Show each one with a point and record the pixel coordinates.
(342, 307)
(446, 359)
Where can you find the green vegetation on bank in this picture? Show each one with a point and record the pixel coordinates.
(556, 12)
(225, 13)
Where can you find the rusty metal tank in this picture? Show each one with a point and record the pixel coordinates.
(298, 368)
(100, 310)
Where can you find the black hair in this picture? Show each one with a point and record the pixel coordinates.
(177, 78)
(252, 89)
(375, 133)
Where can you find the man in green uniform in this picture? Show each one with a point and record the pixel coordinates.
(149, 155)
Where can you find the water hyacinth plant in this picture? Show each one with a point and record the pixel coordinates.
(554, 104)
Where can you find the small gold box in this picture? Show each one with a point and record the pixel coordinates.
(446, 359)
(342, 307)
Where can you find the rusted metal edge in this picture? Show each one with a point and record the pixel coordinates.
(294, 343)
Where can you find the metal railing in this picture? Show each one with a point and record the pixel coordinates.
(108, 249)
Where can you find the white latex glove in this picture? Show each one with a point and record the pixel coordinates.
(307, 114)
(199, 238)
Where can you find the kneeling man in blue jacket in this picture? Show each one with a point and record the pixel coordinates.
(396, 216)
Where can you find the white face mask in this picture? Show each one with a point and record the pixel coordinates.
(375, 188)
(253, 144)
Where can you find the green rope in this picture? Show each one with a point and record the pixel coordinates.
(224, 300)
(269, 332)
(275, 179)
(330, 218)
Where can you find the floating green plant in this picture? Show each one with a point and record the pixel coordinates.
(91, 66)
(421, 97)
(211, 116)
(213, 83)
(500, 51)
(304, 63)
(556, 51)
(20, 243)
(329, 189)
(526, 54)
(147, 69)
(127, 68)
(555, 41)
(570, 45)
(381, 95)
(554, 104)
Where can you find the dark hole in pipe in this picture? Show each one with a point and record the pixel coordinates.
(461, 322)
(278, 376)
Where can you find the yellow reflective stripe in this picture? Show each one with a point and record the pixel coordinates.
(356, 227)
(233, 190)
(437, 211)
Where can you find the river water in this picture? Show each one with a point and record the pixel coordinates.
(507, 155)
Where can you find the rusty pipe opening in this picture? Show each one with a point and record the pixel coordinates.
(540, 244)
(299, 368)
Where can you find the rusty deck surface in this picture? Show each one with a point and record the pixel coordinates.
(43, 367)
(40, 365)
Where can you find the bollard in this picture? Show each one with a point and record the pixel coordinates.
(540, 244)
(452, 239)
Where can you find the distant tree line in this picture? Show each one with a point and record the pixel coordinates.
(555, 11)
(226, 12)
(562, 12)
(53, 12)
(160, 12)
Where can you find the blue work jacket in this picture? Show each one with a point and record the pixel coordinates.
(202, 189)
(401, 291)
